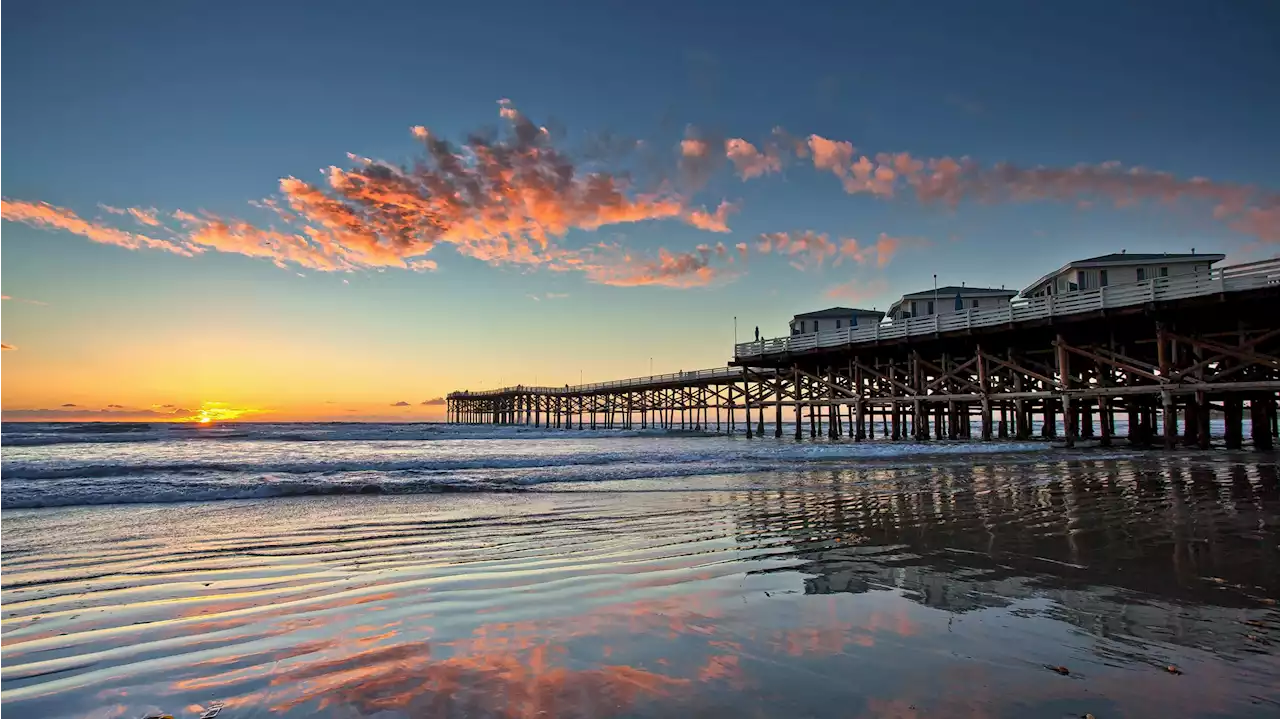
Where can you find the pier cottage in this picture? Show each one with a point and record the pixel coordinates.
(950, 300)
(835, 318)
(1119, 269)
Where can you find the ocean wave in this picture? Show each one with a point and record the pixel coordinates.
(303, 460)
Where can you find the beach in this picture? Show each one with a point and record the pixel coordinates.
(425, 570)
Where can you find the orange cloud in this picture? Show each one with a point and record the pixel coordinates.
(712, 222)
(146, 217)
(502, 201)
(834, 156)
(7, 346)
(750, 162)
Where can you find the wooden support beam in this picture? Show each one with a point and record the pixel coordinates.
(1064, 383)
(984, 383)
(1169, 415)
(795, 386)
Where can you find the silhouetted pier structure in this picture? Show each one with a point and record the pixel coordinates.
(1166, 354)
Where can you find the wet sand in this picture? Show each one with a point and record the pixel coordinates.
(893, 590)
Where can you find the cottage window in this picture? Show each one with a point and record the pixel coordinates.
(1142, 274)
(1164, 271)
(837, 324)
(1102, 278)
(930, 306)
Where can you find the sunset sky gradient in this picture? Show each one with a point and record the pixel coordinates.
(318, 211)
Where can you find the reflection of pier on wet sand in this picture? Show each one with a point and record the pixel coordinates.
(1165, 354)
(1183, 554)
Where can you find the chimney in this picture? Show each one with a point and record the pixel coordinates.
(1122, 250)
(1193, 250)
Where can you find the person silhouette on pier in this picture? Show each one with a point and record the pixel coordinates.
(757, 333)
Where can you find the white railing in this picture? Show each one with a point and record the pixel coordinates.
(1226, 279)
(659, 379)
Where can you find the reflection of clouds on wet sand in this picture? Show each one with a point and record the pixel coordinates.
(876, 592)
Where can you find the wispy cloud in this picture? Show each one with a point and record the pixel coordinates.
(1247, 209)
(857, 290)
(7, 346)
(7, 298)
(809, 250)
(681, 270)
(42, 214)
(700, 157)
(69, 405)
(401, 403)
(434, 401)
(549, 296)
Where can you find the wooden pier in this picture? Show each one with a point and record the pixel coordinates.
(1164, 355)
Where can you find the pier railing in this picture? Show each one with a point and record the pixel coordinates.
(691, 376)
(1234, 278)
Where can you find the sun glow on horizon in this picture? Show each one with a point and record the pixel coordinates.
(211, 412)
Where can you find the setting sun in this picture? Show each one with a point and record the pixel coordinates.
(210, 412)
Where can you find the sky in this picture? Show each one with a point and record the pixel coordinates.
(321, 211)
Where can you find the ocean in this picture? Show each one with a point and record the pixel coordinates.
(427, 570)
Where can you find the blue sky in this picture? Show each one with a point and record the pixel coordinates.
(157, 105)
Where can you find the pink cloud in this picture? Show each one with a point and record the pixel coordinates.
(22, 300)
(1261, 222)
(812, 250)
(685, 269)
(834, 156)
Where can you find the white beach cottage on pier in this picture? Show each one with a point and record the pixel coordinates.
(1118, 268)
(835, 318)
(950, 300)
